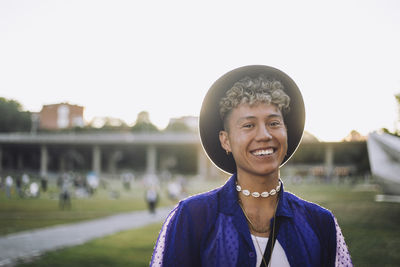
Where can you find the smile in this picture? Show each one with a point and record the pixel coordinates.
(263, 152)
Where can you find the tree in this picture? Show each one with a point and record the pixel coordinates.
(108, 124)
(397, 123)
(354, 136)
(143, 123)
(13, 118)
(177, 126)
(398, 114)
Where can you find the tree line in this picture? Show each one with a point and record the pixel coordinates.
(14, 119)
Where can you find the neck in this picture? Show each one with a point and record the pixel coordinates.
(259, 212)
(258, 183)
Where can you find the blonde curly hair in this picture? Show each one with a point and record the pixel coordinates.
(253, 91)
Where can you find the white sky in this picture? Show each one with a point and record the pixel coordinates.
(118, 58)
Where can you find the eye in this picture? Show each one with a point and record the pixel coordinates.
(275, 124)
(248, 125)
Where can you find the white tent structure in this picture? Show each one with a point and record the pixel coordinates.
(384, 159)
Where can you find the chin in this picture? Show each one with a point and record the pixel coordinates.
(266, 172)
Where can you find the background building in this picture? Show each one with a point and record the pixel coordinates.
(61, 116)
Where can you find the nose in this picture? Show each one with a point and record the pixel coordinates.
(263, 134)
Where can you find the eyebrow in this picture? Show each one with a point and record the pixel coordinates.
(273, 115)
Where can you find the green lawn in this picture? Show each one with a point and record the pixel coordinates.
(128, 248)
(371, 230)
(18, 214)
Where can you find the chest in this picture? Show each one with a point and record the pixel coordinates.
(228, 245)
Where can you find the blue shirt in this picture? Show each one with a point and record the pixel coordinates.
(210, 229)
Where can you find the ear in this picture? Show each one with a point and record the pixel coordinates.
(224, 140)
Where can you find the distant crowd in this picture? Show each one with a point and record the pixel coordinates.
(22, 186)
(75, 185)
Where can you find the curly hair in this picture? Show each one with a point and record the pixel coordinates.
(254, 91)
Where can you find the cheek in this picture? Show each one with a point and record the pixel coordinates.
(236, 143)
(285, 147)
(284, 140)
(285, 137)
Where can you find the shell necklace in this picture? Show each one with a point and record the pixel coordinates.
(256, 194)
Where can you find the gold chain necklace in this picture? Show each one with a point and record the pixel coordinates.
(253, 228)
(273, 234)
(250, 222)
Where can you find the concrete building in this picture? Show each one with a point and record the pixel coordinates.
(103, 153)
(152, 153)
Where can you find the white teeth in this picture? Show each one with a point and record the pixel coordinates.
(263, 152)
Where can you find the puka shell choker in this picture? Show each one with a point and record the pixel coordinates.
(256, 194)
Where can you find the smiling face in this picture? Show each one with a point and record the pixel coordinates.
(256, 135)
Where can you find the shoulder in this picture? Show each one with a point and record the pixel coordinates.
(315, 213)
(184, 229)
(192, 218)
(319, 220)
(206, 202)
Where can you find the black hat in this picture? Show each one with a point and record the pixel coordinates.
(210, 123)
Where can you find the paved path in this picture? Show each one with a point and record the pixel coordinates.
(33, 243)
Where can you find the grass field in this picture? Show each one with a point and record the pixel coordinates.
(371, 229)
(18, 214)
(128, 248)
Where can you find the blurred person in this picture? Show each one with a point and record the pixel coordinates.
(18, 186)
(81, 186)
(92, 182)
(34, 190)
(43, 183)
(25, 184)
(127, 178)
(251, 122)
(65, 196)
(78, 181)
(152, 198)
(9, 183)
(25, 179)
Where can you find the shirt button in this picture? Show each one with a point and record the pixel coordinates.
(252, 254)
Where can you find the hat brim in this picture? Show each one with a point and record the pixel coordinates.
(210, 123)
